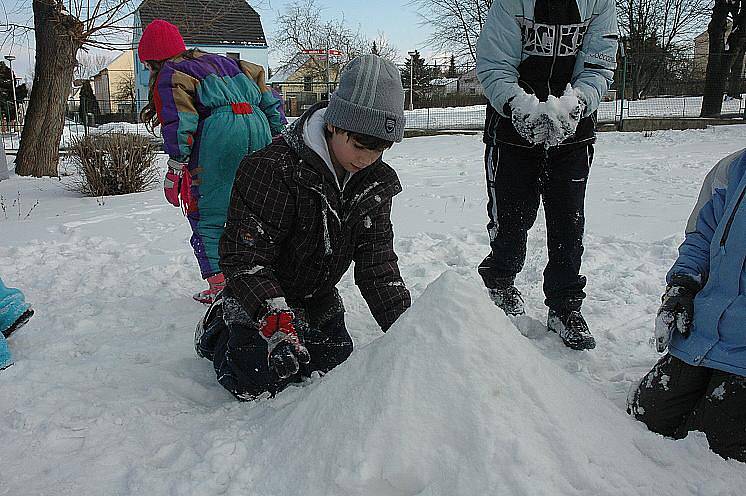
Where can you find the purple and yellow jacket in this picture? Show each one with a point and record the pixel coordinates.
(213, 111)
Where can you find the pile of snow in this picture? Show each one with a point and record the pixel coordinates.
(454, 400)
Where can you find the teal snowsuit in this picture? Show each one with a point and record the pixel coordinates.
(212, 113)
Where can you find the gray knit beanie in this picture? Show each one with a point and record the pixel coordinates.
(369, 99)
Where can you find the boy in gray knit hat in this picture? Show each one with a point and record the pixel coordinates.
(302, 210)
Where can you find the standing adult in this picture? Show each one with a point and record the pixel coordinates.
(212, 111)
(544, 66)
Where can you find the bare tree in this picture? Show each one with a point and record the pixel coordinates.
(302, 28)
(384, 48)
(725, 49)
(456, 24)
(126, 89)
(90, 64)
(61, 29)
(655, 32)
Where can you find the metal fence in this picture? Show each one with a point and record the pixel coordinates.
(80, 118)
(452, 100)
(450, 96)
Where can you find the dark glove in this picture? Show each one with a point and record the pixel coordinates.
(528, 123)
(563, 115)
(676, 311)
(285, 348)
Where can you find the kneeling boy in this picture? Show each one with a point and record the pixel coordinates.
(302, 210)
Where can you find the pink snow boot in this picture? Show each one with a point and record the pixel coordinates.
(207, 296)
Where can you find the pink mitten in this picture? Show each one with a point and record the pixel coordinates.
(172, 182)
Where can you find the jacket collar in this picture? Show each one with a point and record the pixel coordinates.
(293, 135)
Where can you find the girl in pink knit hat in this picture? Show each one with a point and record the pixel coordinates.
(212, 111)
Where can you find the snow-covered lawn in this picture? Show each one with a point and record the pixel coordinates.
(108, 398)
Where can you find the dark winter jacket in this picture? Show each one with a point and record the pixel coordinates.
(292, 233)
(541, 46)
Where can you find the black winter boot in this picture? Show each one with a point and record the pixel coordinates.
(508, 298)
(572, 328)
(20, 322)
(208, 329)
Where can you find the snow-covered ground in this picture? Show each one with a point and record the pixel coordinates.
(107, 396)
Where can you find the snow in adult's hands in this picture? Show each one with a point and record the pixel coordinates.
(527, 117)
(106, 396)
(549, 122)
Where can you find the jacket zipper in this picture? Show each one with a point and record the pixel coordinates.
(557, 28)
(726, 231)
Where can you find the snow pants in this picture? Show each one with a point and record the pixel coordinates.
(517, 179)
(239, 353)
(6, 359)
(224, 139)
(12, 306)
(675, 398)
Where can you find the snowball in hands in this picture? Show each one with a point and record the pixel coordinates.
(548, 123)
(527, 117)
(562, 116)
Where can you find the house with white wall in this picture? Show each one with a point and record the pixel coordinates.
(113, 83)
(227, 27)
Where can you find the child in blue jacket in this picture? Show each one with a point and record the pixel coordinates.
(700, 384)
(14, 313)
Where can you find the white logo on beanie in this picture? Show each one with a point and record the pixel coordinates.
(390, 124)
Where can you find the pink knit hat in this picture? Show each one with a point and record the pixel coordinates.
(161, 40)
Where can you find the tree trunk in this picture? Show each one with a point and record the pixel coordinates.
(717, 68)
(58, 37)
(737, 80)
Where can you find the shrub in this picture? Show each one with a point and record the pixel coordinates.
(114, 163)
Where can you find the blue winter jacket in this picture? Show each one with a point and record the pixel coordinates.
(713, 254)
(539, 46)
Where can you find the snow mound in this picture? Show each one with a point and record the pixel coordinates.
(454, 400)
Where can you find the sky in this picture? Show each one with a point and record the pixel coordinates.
(396, 19)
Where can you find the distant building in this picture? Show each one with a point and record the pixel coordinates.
(469, 83)
(305, 80)
(444, 86)
(226, 27)
(73, 100)
(113, 82)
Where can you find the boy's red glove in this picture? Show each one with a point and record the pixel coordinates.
(284, 343)
(172, 182)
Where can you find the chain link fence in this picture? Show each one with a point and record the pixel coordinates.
(80, 118)
(450, 97)
(439, 98)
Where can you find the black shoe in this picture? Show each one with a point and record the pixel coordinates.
(508, 298)
(572, 328)
(208, 329)
(20, 322)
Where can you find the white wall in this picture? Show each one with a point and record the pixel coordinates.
(256, 55)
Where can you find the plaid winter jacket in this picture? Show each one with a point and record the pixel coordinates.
(291, 233)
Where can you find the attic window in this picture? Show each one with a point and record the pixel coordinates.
(233, 55)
